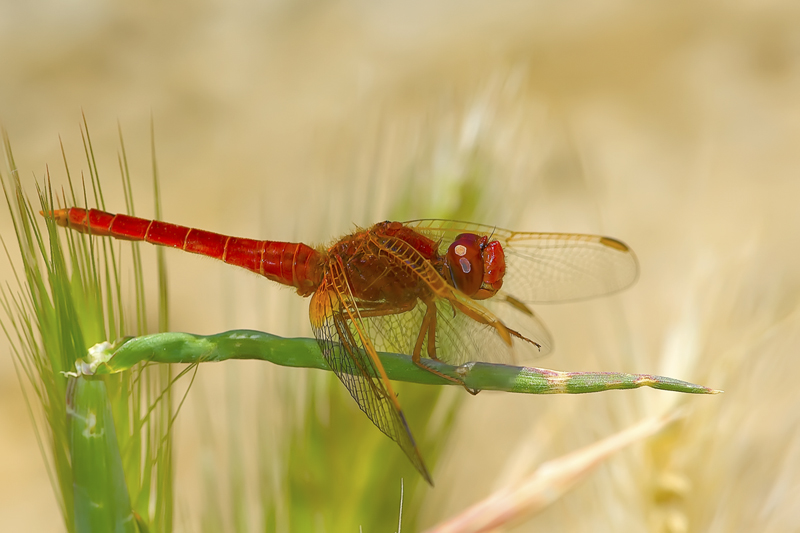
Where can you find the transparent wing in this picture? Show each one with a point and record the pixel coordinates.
(548, 267)
(350, 354)
(558, 267)
(518, 316)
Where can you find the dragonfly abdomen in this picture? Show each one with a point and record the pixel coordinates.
(293, 264)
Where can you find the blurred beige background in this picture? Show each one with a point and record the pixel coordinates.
(673, 126)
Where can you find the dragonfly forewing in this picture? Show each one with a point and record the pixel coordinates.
(548, 267)
(350, 354)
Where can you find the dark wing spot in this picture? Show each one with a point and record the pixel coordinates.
(614, 243)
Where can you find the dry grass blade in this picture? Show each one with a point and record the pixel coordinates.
(549, 482)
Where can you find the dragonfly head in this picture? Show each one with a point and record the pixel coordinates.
(475, 265)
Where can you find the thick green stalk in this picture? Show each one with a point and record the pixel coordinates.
(106, 441)
(248, 344)
(103, 503)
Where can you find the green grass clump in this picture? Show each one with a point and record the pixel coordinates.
(106, 440)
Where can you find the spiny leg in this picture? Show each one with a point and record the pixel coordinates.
(428, 328)
(370, 309)
(520, 336)
(485, 318)
(424, 328)
(432, 350)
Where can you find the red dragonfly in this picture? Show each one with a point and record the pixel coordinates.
(433, 289)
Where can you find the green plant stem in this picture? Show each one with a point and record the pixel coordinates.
(102, 502)
(248, 344)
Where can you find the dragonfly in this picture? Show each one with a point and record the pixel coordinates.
(430, 289)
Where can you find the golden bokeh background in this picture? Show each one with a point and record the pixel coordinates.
(673, 126)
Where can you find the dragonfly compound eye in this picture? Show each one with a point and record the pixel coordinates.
(465, 262)
(494, 268)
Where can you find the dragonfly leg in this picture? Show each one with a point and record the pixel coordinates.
(432, 350)
(520, 336)
(366, 310)
(487, 319)
(428, 328)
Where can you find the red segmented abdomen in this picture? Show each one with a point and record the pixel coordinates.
(294, 264)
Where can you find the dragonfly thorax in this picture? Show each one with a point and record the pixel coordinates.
(475, 266)
(376, 276)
